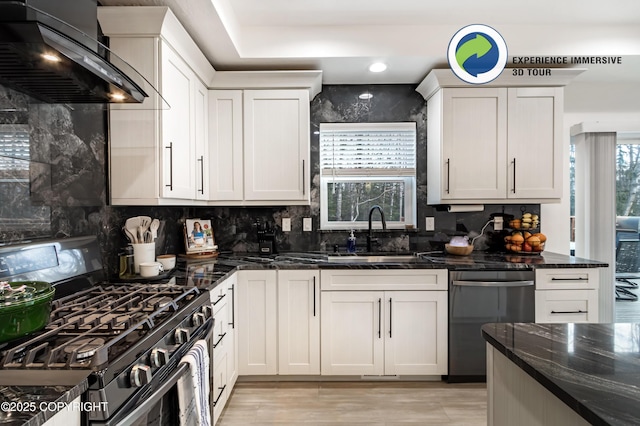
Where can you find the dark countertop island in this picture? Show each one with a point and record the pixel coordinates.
(592, 368)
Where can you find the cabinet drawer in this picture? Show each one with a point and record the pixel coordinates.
(218, 297)
(567, 279)
(220, 332)
(220, 392)
(566, 306)
(383, 279)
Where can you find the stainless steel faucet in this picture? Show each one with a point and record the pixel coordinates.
(370, 238)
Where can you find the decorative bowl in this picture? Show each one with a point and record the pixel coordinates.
(458, 250)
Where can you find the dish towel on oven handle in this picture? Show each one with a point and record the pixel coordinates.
(193, 388)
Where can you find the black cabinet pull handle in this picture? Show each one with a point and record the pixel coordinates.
(170, 148)
(303, 179)
(215, 345)
(379, 318)
(570, 312)
(233, 310)
(201, 160)
(219, 299)
(219, 395)
(514, 175)
(390, 315)
(570, 279)
(314, 296)
(448, 173)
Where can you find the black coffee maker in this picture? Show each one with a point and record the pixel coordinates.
(266, 238)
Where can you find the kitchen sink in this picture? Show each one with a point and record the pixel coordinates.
(374, 259)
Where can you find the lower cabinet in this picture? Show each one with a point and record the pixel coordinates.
(567, 295)
(279, 322)
(224, 360)
(384, 332)
(384, 322)
(298, 322)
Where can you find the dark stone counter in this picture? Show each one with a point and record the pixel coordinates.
(208, 273)
(31, 404)
(593, 368)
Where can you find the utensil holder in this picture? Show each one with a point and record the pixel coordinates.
(145, 252)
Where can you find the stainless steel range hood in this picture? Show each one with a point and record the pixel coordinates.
(48, 49)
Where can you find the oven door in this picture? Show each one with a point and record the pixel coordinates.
(158, 402)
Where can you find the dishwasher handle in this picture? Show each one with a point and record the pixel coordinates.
(470, 283)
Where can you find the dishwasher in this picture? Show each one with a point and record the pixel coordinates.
(477, 298)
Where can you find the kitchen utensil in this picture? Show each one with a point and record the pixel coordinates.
(132, 225)
(155, 224)
(131, 237)
(150, 269)
(25, 311)
(458, 250)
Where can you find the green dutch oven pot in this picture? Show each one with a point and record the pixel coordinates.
(23, 312)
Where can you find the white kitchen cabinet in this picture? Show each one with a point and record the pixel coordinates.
(352, 337)
(567, 295)
(158, 153)
(394, 325)
(259, 143)
(257, 323)
(298, 322)
(494, 145)
(231, 285)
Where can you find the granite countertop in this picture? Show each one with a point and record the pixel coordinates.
(30, 404)
(593, 368)
(208, 273)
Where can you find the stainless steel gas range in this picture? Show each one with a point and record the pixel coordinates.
(129, 338)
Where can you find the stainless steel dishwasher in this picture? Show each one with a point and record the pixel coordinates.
(480, 297)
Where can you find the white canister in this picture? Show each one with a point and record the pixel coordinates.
(145, 252)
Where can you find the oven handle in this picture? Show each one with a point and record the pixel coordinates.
(159, 393)
(155, 397)
(493, 283)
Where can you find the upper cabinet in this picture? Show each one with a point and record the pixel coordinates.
(261, 143)
(493, 144)
(158, 152)
(244, 143)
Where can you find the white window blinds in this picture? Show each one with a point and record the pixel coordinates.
(368, 149)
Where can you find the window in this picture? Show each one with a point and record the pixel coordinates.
(367, 164)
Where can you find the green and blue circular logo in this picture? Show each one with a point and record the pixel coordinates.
(477, 54)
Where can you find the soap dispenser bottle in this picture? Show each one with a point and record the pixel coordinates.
(351, 243)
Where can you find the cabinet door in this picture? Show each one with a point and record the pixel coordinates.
(225, 145)
(535, 142)
(351, 335)
(232, 342)
(178, 177)
(474, 142)
(298, 322)
(276, 145)
(257, 323)
(415, 332)
(201, 128)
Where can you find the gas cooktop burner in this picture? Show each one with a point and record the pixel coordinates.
(84, 348)
(89, 328)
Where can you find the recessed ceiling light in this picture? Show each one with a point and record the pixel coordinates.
(365, 95)
(378, 67)
(49, 57)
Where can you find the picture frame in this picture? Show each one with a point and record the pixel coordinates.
(198, 236)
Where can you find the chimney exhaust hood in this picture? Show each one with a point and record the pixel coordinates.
(48, 50)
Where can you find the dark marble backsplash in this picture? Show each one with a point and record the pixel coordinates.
(60, 190)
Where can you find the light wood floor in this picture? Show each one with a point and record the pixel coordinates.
(356, 403)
